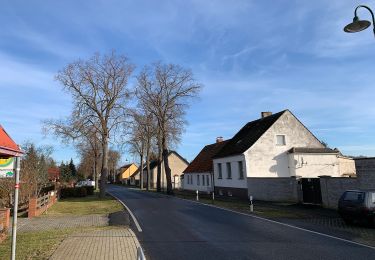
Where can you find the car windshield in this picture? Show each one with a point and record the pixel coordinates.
(354, 196)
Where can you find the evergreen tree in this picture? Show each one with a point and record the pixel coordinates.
(72, 168)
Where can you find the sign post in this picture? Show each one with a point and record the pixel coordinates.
(15, 207)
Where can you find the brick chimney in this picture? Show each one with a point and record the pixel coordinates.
(219, 139)
(265, 114)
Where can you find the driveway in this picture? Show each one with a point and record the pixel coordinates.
(179, 229)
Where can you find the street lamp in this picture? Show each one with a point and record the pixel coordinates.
(360, 25)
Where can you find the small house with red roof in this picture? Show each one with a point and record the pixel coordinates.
(199, 174)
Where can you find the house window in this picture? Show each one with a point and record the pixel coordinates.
(208, 181)
(203, 181)
(191, 179)
(198, 182)
(240, 169)
(229, 171)
(220, 171)
(280, 140)
(188, 179)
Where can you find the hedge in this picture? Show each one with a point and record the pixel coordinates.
(73, 192)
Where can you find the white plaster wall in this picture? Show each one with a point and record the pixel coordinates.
(346, 166)
(235, 182)
(194, 185)
(266, 159)
(313, 165)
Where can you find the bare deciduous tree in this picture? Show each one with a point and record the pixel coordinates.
(98, 87)
(163, 90)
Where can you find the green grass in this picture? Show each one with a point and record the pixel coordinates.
(38, 245)
(84, 206)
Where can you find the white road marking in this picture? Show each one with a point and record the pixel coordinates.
(130, 212)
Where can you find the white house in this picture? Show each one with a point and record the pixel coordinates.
(199, 174)
(274, 146)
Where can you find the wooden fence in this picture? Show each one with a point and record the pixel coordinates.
(38, 206)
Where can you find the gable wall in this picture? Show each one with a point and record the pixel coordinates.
(266, 159)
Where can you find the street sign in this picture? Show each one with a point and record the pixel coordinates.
(7, 168)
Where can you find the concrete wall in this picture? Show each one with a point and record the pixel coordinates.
(274, 189)
(267, 159)
(193, 183)
(366, 172)
(333, 188)
(346, 166)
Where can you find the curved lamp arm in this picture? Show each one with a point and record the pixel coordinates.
(372, 14)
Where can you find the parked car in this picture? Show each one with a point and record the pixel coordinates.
(357, 205)
(85, 183)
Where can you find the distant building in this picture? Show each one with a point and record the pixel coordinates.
(177, 164)
(125, 172)
(199, 174)
(53, 174)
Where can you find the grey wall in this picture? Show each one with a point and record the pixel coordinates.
(366, 172)
(274, 189)
(333, 187)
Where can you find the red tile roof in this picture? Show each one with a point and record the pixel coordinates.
(203, 161)
(53, 173)
(7, 146)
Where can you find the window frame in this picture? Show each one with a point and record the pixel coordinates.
(284, 140)
(198, 181)
(220, 171)
(241, 172)
(229, 170)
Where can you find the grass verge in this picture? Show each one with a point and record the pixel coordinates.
(84, 206)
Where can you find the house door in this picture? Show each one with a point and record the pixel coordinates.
(311, 191)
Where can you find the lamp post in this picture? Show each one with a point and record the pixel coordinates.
(359, 25)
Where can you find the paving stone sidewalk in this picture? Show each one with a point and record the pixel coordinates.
(114, 243)
(47, 223)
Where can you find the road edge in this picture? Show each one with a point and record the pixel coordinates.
(130, 212)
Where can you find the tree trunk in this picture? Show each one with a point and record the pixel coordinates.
(148, 166)
(160, 159)
(166, 166)
(96, 171)
(104, 174)
(141, 173)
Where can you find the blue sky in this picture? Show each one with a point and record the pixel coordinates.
(251, 56)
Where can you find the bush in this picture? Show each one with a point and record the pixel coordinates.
(89, 189)
(73, 192)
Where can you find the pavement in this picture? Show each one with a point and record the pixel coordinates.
(173, 228)
(114, 240)
(115, 243)
(47, 223)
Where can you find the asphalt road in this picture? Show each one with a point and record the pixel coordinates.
(178, 229)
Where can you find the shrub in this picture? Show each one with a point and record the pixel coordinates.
(73, 192)
(90, 190)
(81, 192)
